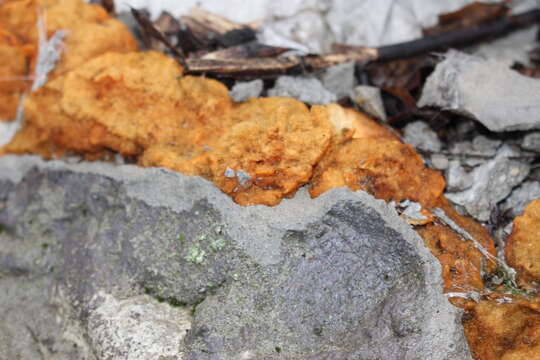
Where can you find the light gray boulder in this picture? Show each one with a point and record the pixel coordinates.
(104, 261)
(486, 90)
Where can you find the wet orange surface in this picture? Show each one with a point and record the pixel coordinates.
(523, 245)
(13, 70)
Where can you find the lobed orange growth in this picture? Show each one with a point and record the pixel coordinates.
(523, 245)
(13, 69)
(387, 169)
(140, 98)
(274, 142)
(20, 16)
(58, 132)
(88, 40)
(89, 32)
(500, 330)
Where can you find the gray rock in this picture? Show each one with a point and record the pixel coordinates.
(339, 79)
(420, 135)
(457, 178)
(244, 90)
(461, 148)
(369, 99)
(439, 161)
(308, 90)
(482, 145)
(30, 327)
(337, 277)
(492, 182)
(531, 142)
(467, 155)
(521, 196)
(490, 92)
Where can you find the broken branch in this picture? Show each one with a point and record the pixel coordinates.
(271, 67)
(152, 31)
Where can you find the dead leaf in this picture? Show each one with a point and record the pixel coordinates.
(474, 14)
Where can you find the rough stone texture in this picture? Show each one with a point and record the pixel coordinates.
(492, 182)
(487, 90)
(464, 150)
(127, 328)
(308, 90)
(485, 146)
(337, 277)
(30, 303)
(457, 178)
(531, 142)
(420, 135)
(244, 90)
(521, 196)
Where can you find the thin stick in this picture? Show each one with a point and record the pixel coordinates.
(459, 38)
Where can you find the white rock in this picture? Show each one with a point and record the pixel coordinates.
(492, 182)
(439, 161)
(369, 99)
